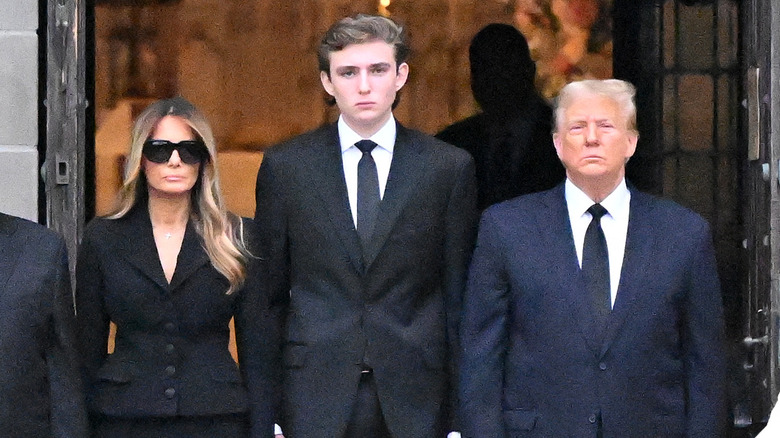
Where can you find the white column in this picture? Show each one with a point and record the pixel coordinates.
(19, 108)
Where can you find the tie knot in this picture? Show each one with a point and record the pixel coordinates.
(365, 146)
(597, 211)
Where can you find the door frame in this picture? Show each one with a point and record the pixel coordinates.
(67, 145)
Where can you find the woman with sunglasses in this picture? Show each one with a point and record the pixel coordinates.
(170, 267)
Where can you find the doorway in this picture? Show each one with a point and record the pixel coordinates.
(694, 62)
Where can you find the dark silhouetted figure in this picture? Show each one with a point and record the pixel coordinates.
(510, 139)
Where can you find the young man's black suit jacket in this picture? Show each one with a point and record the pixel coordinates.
(395, 308)
(535, 366)
(40, 391)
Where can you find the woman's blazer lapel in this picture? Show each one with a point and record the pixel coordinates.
(134, 241)
(192, 256)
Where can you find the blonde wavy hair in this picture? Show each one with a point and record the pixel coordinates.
(222, 232)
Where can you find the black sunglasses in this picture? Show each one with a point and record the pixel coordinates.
(190, 151)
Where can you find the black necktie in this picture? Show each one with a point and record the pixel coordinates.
(595, 266)
(367, 192)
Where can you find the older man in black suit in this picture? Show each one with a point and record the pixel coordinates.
(368, 231)
(592, 309)
(40, 392)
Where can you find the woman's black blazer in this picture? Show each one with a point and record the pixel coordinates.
(171, 352)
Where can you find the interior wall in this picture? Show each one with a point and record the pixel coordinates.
(251, 67)
(19, 111)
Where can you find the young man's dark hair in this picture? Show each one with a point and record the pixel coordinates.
(363, 29)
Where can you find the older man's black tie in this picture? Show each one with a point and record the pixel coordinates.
(367, 193)
(595, 267)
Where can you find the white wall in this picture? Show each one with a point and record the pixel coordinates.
(18, 108)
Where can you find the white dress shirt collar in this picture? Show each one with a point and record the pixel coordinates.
(384, 138)
(617, 203)
(350, 157)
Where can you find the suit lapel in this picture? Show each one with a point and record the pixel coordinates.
(639, 238)
(192, 256)
(11, 247)
(135, 243)
(327, 178)
(555, 225)
(407, 167)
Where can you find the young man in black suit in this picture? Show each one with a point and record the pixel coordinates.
(368, 231)
(40, 389)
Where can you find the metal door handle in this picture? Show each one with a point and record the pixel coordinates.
(749, 341)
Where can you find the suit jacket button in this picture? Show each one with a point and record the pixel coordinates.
(170, 370)
(170, 392)
(170, 348)
(602, 366)
(170, 327)
(592, 418)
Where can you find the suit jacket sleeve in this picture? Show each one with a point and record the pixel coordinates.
(272, 226)
(257, 342)
(274, 263)
(68, 416)
(92, 320)
(461, 221)
(484, 336)
(702, 337)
